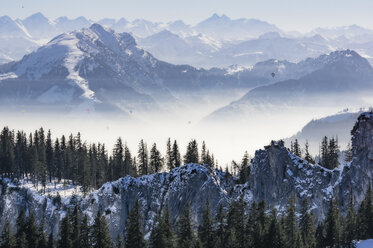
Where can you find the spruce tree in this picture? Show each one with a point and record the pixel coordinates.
(332, 225)
(119, 243)
(205, 231)
(306, 226)
(32, 233)
(307, 155)
(42, 240)
(274, 237)
(220, 225)
(320, 235)
(296, 148)
(100, 233)
(176, 157)
(143, 158)
(291, 224)
(162, 234)
(169, 161)
(7, 237)
(349, 153)
(185, 235)
(85, 232)
(65, 236)
(349, 231)
(49, 153)
(21, 230)
(75, 224)
(50, 240)
(156, 160)
(191, 155)
(134, 235)
(245, 168)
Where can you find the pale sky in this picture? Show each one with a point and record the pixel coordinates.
(301, 15)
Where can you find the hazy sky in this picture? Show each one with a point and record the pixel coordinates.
(301, 15)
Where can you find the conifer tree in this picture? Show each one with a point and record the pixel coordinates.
(134, 236)
(320, 235)
(349, 153)
(75, 224)
(42, 240)
(7, 237)
(332, 225)
(156, 160)
(219, 231)
(128, 166)
(306, 226)
(307, 155)
(185, 235)
(100, 233)
(349, 232)
(169, 161)
(290, 224)
(143, 158)
(245, 168)
(274, 237)
(32, 232)
(65, 239)
(21, 230)
(162, 234)
(176, 158)
(296, 148)
(118, 159)
(85, 232)
(205, 231)
(191, 155)
(49, 155)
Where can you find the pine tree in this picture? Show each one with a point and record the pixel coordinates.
(349, 153)
(169, 160)
(204, 159)
(100, 233)
(65, 239)
(219, 231)
(176, 158)
(134, 236)
(85, 232)
(75, 224)
(274, 236)
(21, 230)
(245, 168)
(128, 170)
(324, 161)
(162, 234)
(333, 153)
(118, 159)
(291, 224)
(306, 226)
(143, 158)
(42, 240)
(7, 237)
(191, 155)
(185, 235)
(50, 240)
(296, 148)
(307, 155)
(49, 156)
(205, 231)
(332, 225)
(349, 232)
(32, 232)
(156, 160)
(320, 235)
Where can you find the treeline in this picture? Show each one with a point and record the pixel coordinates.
(329, 152)
(42, 159)
(228, 228)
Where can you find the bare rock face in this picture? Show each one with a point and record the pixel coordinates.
(358, 175)
(276, 174)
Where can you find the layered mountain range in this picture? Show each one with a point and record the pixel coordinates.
(275, 174)
(96, 68)
(218, 41)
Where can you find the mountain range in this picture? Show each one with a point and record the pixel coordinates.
(218, 41)
(335, 77)
(98, 69)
